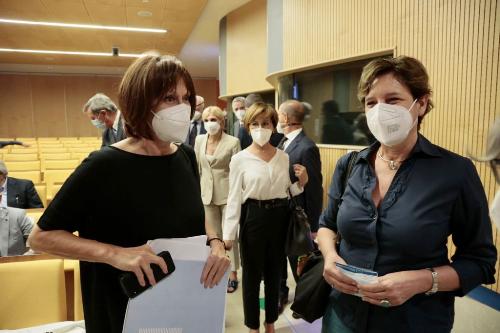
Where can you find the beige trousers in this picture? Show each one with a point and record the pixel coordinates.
(214, 214)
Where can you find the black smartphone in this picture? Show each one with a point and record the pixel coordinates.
(130, 284)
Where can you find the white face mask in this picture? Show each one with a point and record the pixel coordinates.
(495, 210)
(280, 128)
(240, 114)
(99, 124)
(196, 115)
(172, 124)
(390, 123)
(261, 135)
(212, 127)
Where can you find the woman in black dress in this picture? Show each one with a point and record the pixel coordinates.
(142, 188)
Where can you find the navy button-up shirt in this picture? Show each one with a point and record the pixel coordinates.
(435, 193)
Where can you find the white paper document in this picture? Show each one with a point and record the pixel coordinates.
(179, 303)
(360, 275)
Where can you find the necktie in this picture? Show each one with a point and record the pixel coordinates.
(192, 134)
(281, 144)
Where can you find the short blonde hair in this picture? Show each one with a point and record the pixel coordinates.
(213, 111)
(256, 110)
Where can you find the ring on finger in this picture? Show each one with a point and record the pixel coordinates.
(385, 303)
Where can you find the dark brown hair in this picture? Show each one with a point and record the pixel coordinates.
(408, 71)
(256, 110)
(144, 85)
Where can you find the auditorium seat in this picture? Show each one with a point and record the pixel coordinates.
(52, 150)
(33, 293)
(35, 213)
(34, 176)
(53, 179)
(42, 139)
(55, 156)
(23, 150)
(20, 157)
(68, 138)
(23, 165)
(59, 164)
(41, 189)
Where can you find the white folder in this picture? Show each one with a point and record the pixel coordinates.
(179, 303)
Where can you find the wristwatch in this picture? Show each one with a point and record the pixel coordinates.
(435, 282)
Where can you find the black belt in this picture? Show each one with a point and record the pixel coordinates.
(267, 204)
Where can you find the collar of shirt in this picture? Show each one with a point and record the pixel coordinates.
(117, 120)
(3, 201)
(290, 136)
(422, 146)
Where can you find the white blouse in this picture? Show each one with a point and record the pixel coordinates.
(254, 178)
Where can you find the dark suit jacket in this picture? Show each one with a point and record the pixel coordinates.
(202, 131)
(109, 137)
(21, 193)
(241, 133)
(304, 151)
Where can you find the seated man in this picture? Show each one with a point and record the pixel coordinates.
(15, 228)
(19, 193)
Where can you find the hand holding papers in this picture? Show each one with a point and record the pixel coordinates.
(179, 303)
(360, 275)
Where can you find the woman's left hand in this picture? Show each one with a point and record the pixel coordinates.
(216, 265)
(301, 174)
(396, 288)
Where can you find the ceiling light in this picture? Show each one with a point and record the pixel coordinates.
(83, 26)
(97, 54)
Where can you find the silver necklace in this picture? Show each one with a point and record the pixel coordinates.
(393, 165)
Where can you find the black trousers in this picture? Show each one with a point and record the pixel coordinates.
(284, 275)
(262, 247)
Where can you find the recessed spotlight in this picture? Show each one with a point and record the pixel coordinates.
(144, 13)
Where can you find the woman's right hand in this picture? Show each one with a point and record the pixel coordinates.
(336, 278)
(137, 260)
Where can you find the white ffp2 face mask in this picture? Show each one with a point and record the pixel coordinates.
(172, 124)
(98, 123)
(196, 115)
(390, 123)
(212, 127)
(261, 135)
(240, 114)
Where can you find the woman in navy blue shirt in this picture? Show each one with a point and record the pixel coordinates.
(403, 199)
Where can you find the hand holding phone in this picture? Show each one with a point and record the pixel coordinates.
(130, 284)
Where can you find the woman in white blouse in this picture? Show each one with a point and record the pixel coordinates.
(213, 153)
(259, 184)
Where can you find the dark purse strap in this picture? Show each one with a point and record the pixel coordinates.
(345, 178)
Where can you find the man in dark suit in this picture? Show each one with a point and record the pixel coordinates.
(239, 129)
(301, 150)
(196, 127)
(104, 115)
(19, 193)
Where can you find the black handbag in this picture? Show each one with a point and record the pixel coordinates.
(312, 291)
(298, 238)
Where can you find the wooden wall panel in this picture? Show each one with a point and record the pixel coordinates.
(16, 108)
(246, 46)
(457, 40)
(51, 105)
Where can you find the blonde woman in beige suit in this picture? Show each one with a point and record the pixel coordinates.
(213, 153)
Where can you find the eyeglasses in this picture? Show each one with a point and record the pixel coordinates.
(495, 166)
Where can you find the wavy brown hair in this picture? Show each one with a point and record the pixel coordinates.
(407, 70)
(145, 83)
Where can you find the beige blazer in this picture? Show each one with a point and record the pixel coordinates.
(214, 176)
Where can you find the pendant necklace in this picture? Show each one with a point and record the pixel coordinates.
(393, 165)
